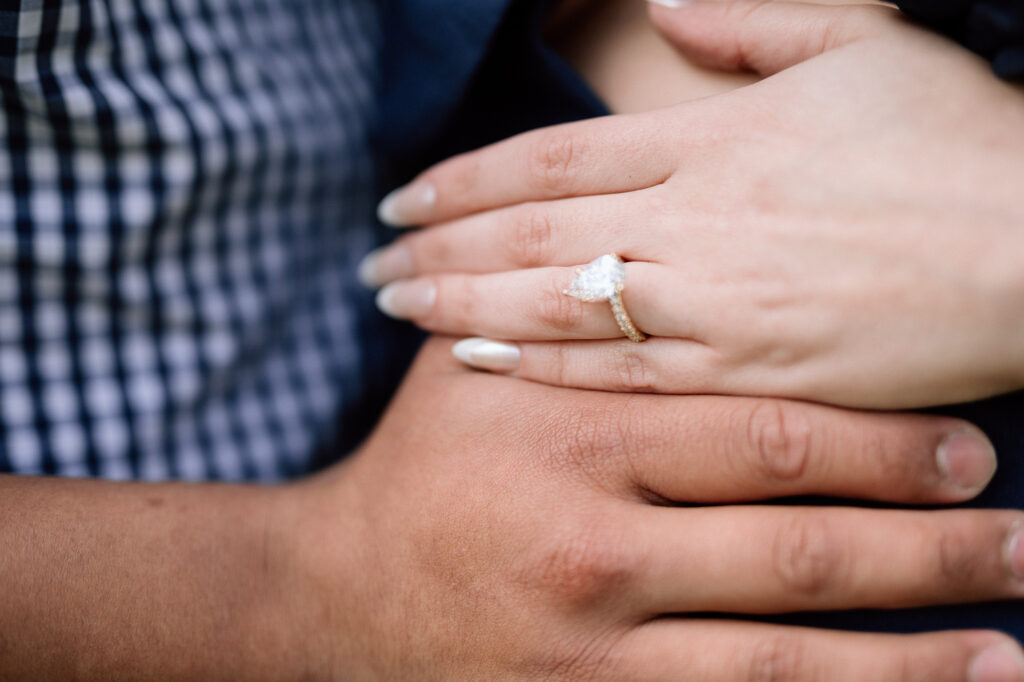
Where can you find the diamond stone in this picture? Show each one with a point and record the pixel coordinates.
(600, 280)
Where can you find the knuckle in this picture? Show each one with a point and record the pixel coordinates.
(779, 435)
(603, 444)
(899, 465)
(531, 238)
(558, 367)
(554, 158)
(584, 564)
(558, 312)
(631, 371)
(958, 560)
(781, 658)
(806, 556)
(592, 441)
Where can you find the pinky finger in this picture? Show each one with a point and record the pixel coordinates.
(659, 365)
(721, 651)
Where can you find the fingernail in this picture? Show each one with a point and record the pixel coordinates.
(493, 356)
(674, 4)
(1015, 550)
(409, 205)
(385, 265)
(967, 460)
(1000, 663)
(405, 300)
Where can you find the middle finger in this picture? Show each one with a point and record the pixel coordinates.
(564, 232)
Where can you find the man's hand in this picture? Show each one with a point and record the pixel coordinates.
(499, 529)
(495, 529)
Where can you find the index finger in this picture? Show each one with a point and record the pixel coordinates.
(598, 156)
(716, 450)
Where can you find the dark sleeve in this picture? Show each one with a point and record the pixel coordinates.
(459, 74)
(992, 28)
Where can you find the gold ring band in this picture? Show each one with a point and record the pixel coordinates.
(624, 321)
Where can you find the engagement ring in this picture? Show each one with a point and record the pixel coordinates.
(603, 280)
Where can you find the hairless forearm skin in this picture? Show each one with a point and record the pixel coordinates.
(113, 581)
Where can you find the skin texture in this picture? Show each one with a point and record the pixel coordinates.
(509, 530)
(494, 529)
(614, 46)
(497, 529)
(794, 237)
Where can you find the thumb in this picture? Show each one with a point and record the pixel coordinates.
(762, 35)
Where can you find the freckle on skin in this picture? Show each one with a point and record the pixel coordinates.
(155, 502)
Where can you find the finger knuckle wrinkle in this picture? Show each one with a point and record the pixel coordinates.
(592, 442)
(807, 557)
(959, 561)
(531, 239)
(779, 658)
(558, 312)
(897, 463)
(554, 159)
(632, 372)
(584, 566)
(780, 436)
(578, 659)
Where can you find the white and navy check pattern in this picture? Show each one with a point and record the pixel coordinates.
(185, 187)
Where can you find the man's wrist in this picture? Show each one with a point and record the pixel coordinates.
(314, 578)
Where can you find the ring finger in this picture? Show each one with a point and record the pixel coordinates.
(531, 305)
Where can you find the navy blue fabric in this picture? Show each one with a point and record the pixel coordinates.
(992, 28)
(474, 79)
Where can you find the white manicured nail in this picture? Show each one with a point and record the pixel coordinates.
(493, 356)
(385, 265)
(405, 300)
(409, 205)
(673, 4)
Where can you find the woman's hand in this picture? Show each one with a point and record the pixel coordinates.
(848, 230)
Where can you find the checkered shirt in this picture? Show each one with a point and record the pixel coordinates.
(185, 187)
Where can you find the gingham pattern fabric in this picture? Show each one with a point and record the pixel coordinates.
(185, 187)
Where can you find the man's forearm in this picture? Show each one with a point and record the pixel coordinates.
(136, 581)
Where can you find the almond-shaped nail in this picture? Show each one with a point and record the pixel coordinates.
(407, 299)
(487, 354)
(967, 460)
(386, 264)
(999, 663)
(409, 205)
